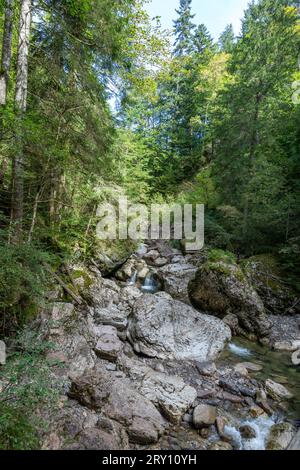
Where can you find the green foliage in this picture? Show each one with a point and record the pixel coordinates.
(27, 386)
(22, 282)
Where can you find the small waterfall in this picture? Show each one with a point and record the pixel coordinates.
(133, 279)
(150, 285)
(239, 351)
(261, 426)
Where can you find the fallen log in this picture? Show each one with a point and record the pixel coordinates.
(78, 300)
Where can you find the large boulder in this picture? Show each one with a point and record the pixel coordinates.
(176, 278)
(100, 390)
(74, 427)
(264, 274)
(71, 332)
(221, 288)
(165, 328)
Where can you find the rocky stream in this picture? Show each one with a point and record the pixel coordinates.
(174, 351)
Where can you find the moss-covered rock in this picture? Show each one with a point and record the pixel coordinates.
(266, 277)
(110, 256)
(281, 436)
(221, 288)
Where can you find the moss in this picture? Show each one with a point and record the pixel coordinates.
(81, 274)
(216, 255)
(265, 269)
(219, 268)
(226, 269)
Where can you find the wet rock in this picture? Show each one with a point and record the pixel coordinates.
(203, 394)
(232, 321)
(296, 358)
(262, 402)
(250, 366)
(220, 425)
(220, 445)
(167, 329)
(287, 346)
(131, 267)
(241, 369)
(108, 345)
(280, 436)
(276, 391)
(221, 288)
(247, 432)
(204, 416)
(188, 418)
(2, 353)
(256, 411)
(234, 387)
(142, 250)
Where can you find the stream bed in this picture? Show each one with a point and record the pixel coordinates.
(276, 366)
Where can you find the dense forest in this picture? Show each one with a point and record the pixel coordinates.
(97, 100)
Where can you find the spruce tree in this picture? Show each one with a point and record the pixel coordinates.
(184, 29)
(227, 39)
(203, 40)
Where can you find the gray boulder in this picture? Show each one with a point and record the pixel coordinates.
(280, 436)
(108, 345)
(116, 399)
(221, 288)
(165, 328)
(204, 416)
(176, 278)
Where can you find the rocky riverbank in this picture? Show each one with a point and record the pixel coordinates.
(141, 370)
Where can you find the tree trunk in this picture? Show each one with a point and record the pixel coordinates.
(6, 51)
(21, 104)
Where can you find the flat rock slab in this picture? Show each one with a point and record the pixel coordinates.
(277, 391)
(108, 345)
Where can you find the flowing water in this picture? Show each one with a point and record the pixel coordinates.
(276, 366)
(150, 285)
(133, 279)
(261, 426)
